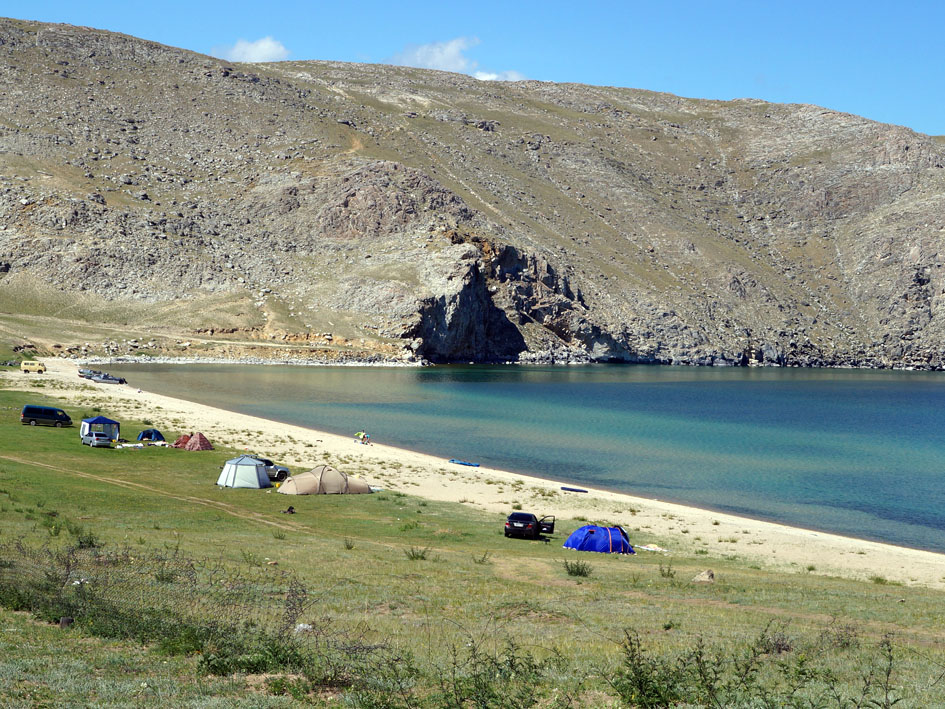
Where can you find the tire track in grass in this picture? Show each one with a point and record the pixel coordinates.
(221, 506)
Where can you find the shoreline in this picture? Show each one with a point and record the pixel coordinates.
(690, 529)
(105, 361)
(380, 362)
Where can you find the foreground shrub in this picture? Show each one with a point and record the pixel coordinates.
(511, 678)
(234, 621)
(577, 568)
(645, 680)
(223, 653)
(417, 553)
(248, 620)
(752, 676)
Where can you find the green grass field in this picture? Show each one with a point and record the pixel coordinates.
(418, 599)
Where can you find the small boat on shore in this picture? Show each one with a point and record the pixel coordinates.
(464, 462)
(104, 378)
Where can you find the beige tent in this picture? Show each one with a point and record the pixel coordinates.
(323, 480)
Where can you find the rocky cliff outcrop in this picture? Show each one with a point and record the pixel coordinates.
(440, 217)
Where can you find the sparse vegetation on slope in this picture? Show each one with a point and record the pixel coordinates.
(324, 210)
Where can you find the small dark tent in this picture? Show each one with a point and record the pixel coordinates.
(181, 441)
(609, 540)
(150, 434)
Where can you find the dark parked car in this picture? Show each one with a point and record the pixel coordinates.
(528, 526)
(36, 415)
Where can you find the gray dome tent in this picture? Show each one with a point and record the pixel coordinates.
(244, 471)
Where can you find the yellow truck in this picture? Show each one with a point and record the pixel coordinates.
(32, 367)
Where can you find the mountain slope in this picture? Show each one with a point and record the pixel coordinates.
(434, 215)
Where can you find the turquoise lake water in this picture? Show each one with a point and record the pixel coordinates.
(860, 453)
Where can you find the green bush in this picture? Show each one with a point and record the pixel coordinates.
(748, 677)
(181, 606)
(511, 677)
(471, 676)
(87, 540)
(226, 652)
(577, 568)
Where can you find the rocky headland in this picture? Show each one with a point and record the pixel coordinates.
(153, 200)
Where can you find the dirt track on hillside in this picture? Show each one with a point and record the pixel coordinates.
(221, 506)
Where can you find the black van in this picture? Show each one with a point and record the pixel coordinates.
(35, 415)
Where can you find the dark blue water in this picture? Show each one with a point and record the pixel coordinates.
(859, 453)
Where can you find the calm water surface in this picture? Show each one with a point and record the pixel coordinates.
(859, 453)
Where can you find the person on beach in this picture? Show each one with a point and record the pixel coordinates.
(359, 436)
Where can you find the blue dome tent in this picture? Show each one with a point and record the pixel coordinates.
(608, 540)
(150, 434)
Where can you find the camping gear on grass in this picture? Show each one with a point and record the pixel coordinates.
(608, 540)
(198, 442)
(323, 480)
(181, 441)
(244, 471)
(100, 423)
(150, 434)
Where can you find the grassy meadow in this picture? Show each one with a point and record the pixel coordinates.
(403, 601)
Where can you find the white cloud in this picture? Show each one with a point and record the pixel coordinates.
(449, 56)
(510, 75)
(445, 56)
(266, 49)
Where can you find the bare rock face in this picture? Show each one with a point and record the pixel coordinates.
(428, 215)
(461, 322)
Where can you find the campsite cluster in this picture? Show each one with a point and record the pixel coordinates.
(247, 471)
(102, 432)
(257, 472)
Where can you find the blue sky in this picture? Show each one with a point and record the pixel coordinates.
(881, 60)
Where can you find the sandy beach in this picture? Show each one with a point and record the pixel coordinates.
(769, 545)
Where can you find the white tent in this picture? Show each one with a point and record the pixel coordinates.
(244, 471)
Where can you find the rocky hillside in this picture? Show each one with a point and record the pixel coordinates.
(396, 213)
